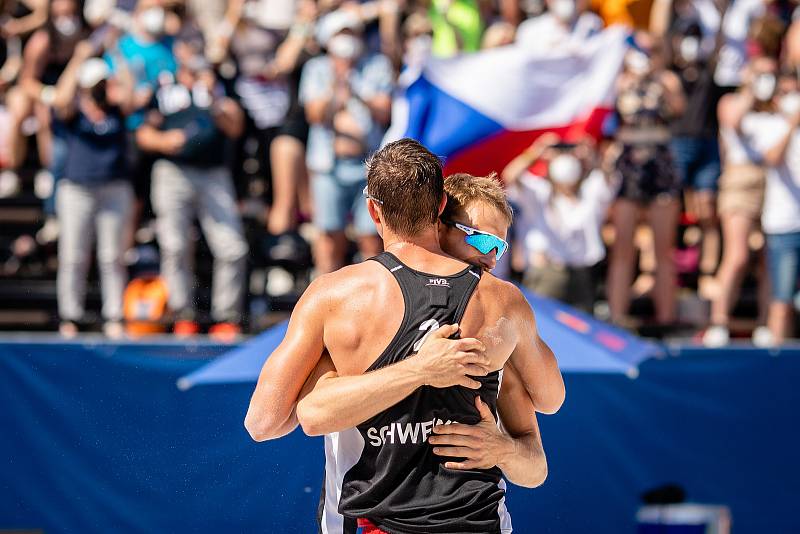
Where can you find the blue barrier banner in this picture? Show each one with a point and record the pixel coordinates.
(97, 438)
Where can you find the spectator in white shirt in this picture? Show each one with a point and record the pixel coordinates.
(781, 216)
(747, 127)
(560, 218)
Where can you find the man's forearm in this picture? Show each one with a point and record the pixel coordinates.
(546, 392)
(340, 402)
(525, 463)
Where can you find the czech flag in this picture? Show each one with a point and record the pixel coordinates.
(479, 111)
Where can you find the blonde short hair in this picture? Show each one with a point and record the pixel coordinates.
(463, 189)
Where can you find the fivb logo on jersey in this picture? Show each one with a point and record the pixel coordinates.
(403, 433)
(438, 282)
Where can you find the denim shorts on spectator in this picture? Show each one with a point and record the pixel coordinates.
(337, 198)
(783, 261)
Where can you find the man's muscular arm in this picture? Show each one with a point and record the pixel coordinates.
(533, 360)
(516, 449)
(340, 402)
(272, 407)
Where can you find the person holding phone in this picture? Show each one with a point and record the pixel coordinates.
(561, 216)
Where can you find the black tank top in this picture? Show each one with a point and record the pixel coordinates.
(385, 467)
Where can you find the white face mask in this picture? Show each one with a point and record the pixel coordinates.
(66, 25)
(565, 169)
(345, 46)
(152, 20)
(637, 62)
(790, 104)
(563, 10)
(690, 48)
(764, 87)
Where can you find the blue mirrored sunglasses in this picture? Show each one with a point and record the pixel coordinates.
(484, 242)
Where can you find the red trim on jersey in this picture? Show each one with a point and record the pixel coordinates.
(365, 526)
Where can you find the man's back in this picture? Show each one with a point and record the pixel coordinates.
(366, 307)
(383, 469)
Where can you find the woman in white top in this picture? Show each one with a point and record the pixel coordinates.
(560, 218)
(746, 128)
(781, 216)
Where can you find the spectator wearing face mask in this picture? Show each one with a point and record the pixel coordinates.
(561, 216)
(781, 215)
(94, 197)
(648, 97)
(747, 126)
(347, 99)
(417, 40)
(566, 23)
(188, 126)
(695, 148)
(45, 57)
(724, 25)
(147, 51)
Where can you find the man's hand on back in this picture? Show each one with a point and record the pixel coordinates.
(443, 362)
(482, 445)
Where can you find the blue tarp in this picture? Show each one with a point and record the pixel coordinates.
(242, 364)
(581, 344)
(96, 438)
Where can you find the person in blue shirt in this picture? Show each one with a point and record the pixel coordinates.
(94, 196)
(346, 94)
(147, 51)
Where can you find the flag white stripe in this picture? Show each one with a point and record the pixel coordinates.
(522, 91)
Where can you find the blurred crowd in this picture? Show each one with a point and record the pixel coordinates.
(139, 122)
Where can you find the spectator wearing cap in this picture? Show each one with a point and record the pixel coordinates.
(566, 23)
(94, 196)
(188, 126)
(347, 98)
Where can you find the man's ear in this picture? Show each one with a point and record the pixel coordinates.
(375, 213)
(442, 203)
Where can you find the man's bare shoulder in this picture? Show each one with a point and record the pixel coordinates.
(348, 281)
(506, 294)
(498, 298)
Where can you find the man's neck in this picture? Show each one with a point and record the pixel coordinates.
(426, 241)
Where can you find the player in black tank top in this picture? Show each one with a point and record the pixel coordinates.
(397, 482)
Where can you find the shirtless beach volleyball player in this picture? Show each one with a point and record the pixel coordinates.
(381, 422)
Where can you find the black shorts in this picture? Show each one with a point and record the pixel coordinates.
(295, 125)
(648, 172)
